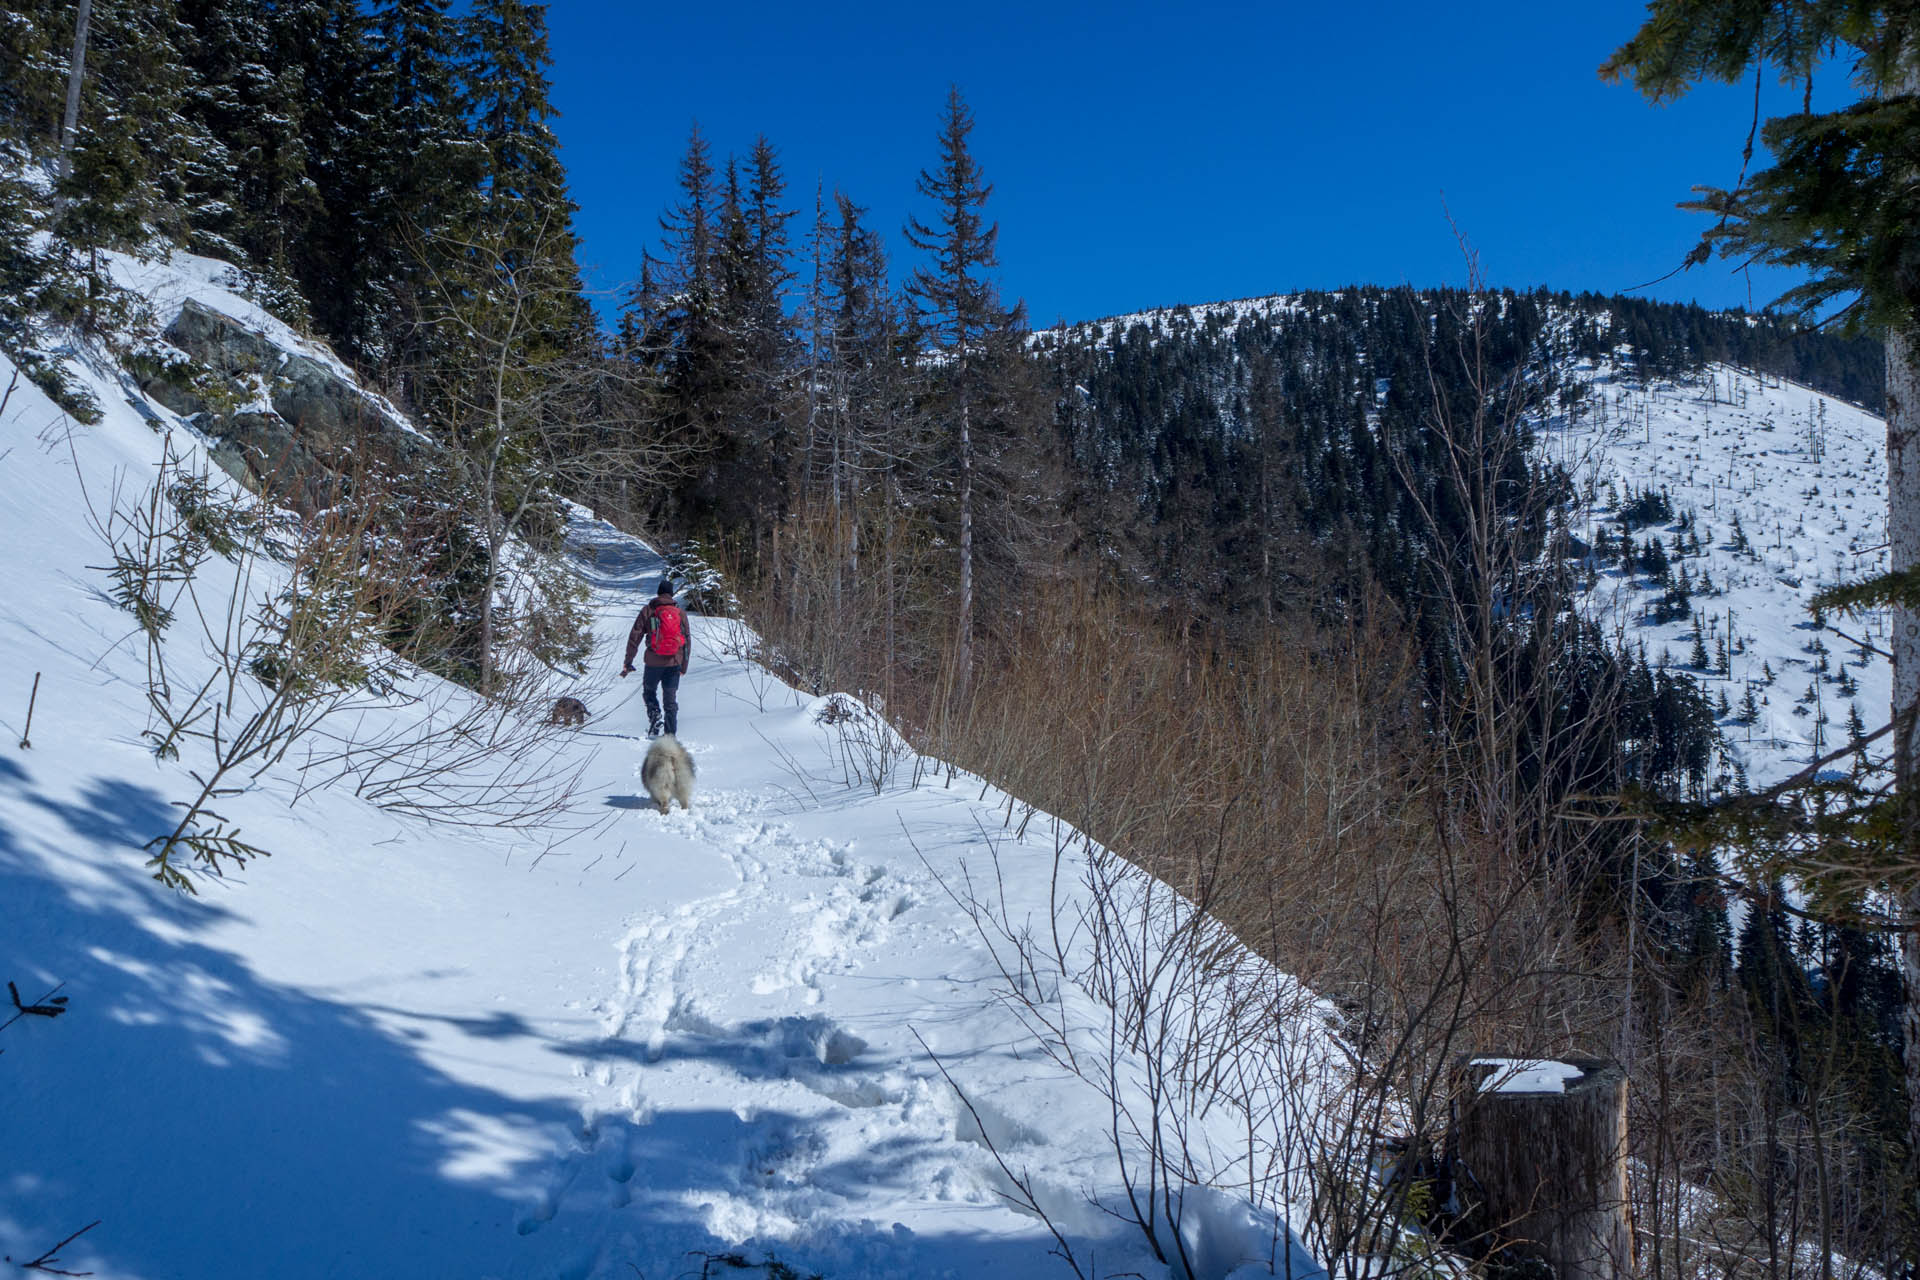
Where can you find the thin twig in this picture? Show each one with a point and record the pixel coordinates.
(32, 698)
(46, 1261)
(50, 1005)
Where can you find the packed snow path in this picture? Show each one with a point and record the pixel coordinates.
(399, 1050)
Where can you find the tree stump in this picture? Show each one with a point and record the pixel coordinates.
(1540, 1164)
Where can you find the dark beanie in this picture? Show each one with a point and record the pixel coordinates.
(665, 588)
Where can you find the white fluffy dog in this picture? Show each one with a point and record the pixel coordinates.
(667, 773)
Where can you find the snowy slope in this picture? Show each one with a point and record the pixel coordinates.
(1805, 477)
(1804, 473)
(399, 1050)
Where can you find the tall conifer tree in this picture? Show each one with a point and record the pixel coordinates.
(251, 195)
(758, 276)
(960, 309)
(131, 139)
(424, 168)
(523, 204)
(675, 321)
(337, 259)
(32, 71)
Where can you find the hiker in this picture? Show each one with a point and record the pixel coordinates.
(663, 625)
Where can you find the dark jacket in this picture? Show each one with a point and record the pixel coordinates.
(638, 637)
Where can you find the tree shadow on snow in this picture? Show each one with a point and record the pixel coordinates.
(221, 1124)
(611, 561)
(216, 1122)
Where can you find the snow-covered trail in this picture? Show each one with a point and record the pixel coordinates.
(399, 1050)
(753, 1067)
(388, 1051)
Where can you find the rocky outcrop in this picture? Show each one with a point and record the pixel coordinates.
(284, 424)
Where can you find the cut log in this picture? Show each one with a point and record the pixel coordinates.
(1539, 1152)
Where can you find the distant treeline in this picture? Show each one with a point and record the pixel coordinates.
(1677, 338)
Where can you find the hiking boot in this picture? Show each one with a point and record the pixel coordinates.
(653, 730)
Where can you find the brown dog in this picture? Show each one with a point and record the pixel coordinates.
(568, 711)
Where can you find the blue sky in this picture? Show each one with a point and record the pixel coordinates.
(1145, 156)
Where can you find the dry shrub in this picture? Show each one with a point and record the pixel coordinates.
(1285, 782)
(847, 602)
(1287, 775)
(1288, 781)
(270, 634)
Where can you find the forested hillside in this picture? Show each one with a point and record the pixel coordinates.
(1230, 425)
(1295, 601)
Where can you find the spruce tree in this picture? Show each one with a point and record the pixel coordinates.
(769, 273)
(127, 154)
(423, 167)
(962, 316)
(34, 281)
(250, 193)
(35, 36)
(1768, 970)
(864, 316)
(675, 326)
(337, 258)
(523, 204)
(858, 383)
(1709, 943)
(758, 278)
(1654, 562)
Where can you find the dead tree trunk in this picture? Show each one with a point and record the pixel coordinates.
(69, 123)
(1903, 556)
(1540, 1164)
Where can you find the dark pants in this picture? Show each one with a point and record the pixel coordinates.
(654, 682)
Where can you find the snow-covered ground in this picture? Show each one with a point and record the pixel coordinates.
(392, 1049)
(1804, 475)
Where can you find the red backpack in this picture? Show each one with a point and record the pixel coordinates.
(666, 631)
